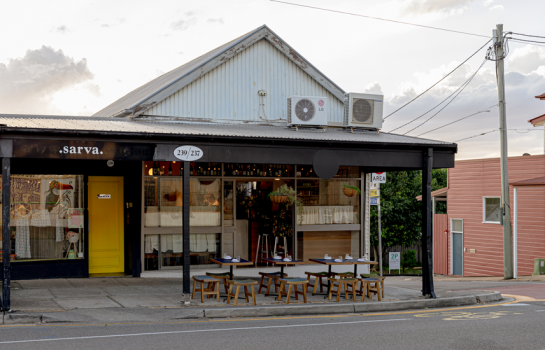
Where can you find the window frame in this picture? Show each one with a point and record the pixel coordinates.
(484, 210)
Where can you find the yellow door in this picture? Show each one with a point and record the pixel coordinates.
(106, 249)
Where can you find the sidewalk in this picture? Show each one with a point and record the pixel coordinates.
(127, 299)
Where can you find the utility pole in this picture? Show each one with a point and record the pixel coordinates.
(506, 206)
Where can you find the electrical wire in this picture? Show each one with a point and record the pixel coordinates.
(528, 41)
(461, 88)
(481, 134)
(440, 80)
(380, 19)
(521, 42)
(458, 120)
(533, 36)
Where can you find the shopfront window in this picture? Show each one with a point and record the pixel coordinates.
(46, 217)
(328, 202)
(344, 171)
(258, 170)
(163, 215)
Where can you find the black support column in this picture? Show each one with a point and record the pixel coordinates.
(187, 254)
(6, 234)
(427, 257)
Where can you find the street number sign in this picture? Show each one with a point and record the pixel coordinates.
(188, 153)
(375, 193)
(379, 178)
(375, 201)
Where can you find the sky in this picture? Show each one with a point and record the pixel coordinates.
(76, 57)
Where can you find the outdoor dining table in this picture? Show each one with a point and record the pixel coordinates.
(230, 263)
(331, 262)
(282, 263)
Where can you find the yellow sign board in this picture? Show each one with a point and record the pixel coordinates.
(375, 193)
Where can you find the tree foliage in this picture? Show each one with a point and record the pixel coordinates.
(401, 216)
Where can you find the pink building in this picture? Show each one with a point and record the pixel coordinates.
(468, 241)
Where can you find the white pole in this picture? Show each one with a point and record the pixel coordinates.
(515, 232)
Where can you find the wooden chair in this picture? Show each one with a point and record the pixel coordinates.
(371, 285)
(293, 282)
(209, 290)
(238, 284)
(340, 283)
(273, 277)
(221, 276)
(317, 281)
(382, 278)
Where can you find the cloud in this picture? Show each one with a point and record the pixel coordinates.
(433, 6)
(524, 79)
(62, 29)
(497, 8)
(373, 88)
(215, 20)
(105, 25)
(488, 2)
(183, 24)
(526, 59)
(30, 83)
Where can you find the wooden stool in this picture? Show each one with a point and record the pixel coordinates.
(293, 282)
(238, 284)
(382, 278)
(273, 276)
(376, 288)
(317, 281)
(221, 276)
(340, 283)
(343, 274)
(211, 289)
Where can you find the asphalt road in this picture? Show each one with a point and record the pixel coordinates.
(515, 325)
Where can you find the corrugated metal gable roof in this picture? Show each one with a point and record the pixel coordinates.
(138, 100)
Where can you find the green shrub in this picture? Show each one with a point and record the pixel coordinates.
(408, 259)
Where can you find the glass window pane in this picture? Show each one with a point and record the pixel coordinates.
(492, 209)
(457, 225)
(327, 202)
(46, 217)
(205, 206)
(228, 203)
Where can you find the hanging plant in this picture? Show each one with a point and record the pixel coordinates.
(350, 191)
(288, 196)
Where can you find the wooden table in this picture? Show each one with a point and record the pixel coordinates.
(230, 263)
(282, 263)
(331, 262)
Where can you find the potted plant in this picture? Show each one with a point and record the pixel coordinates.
(350, 191)
(285, 194)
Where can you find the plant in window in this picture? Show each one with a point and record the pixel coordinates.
(350, 191)
(287, 195)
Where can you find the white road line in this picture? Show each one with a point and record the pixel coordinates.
(539, 310)
(199, 330)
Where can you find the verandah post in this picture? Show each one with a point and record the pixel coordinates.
(186, 249)
(427, 257)
(6, 234)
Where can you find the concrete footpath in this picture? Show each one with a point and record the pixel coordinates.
(127, 299)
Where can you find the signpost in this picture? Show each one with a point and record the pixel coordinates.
(374, 194)
(395, 261)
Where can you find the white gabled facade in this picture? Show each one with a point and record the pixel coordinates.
(230, 91)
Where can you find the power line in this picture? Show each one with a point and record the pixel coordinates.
(380, 19)
(522, 42)
(456, 121)
(528, 41)
(461, 88)
(437, 105)
(488, 132)
(533, 36)
(440, 80)
(481, 134)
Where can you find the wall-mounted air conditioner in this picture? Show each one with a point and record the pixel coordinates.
(307, 111)
(363, 111)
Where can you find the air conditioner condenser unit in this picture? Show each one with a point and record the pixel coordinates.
(363, 111)
(307, 111)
